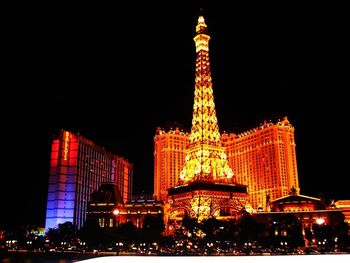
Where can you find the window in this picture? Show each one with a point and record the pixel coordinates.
(101, 222)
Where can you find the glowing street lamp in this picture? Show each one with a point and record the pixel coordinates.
(320, 221)
(116, 213)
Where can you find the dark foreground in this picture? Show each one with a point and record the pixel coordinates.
(42, 257)
(23, 256)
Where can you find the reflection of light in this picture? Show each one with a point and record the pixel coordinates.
(320, 221)
(116, 212)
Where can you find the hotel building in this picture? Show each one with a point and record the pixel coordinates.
(264, 159)
(77, 168)
(169, 158)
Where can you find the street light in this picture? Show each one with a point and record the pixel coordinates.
(320, 221)
(116, 213)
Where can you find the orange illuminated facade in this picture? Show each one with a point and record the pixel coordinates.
(264, 159)
(206, 186)
(296, 203)
(169, 157)
(344, 205)
(77, 168)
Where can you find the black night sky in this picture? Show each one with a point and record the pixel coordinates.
(115, 73)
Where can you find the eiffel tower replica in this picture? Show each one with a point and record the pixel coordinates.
(207, 186)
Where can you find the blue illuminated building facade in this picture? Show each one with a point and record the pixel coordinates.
(77, 168)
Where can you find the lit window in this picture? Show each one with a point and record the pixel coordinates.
(101, 222)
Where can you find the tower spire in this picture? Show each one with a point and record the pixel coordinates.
(201, 12)
(205, 158)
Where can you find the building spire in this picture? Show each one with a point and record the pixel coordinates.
(205, 127)
(205, 158)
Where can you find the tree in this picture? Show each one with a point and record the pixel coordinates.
(67, 231)
(54, 236)
(189, 223)
(91, 233)
(285, 228)
(152, 228)
(211, 227)
(249, 229)
(128, 233)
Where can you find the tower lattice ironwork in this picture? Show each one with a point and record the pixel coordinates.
(205, 157)
(206, 187)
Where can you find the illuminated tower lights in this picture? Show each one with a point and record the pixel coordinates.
(206, 187)
(206, 159)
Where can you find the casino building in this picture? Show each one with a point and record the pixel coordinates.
(77, 168)
(263, 158)
(169, 158)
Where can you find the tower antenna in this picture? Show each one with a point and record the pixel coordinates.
(201, 13)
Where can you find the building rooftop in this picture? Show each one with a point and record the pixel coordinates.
(107, 193)
(295, 198)
(208, 186)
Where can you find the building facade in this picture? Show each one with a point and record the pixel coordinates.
(310, 212)
(296, 203)
(77, 168)
(344, 205)
(264, 159)
(169, 157)
(108, 209)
